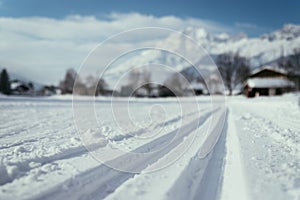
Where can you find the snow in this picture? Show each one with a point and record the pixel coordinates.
(197, 86)
(14, 85)
(269, 68)
(234, 185)
(256, 155)
(261, 50)
(269, 83)
(269, 137)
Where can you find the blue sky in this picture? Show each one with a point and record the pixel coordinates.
(40, 39)
(252, 16)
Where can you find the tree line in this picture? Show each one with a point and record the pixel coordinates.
(89, 86)
(234, 70)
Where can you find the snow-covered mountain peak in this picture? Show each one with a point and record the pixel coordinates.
(195, 32)
(288, 32)
(201, 33)
(259, 50)
(238, 37)
(222, 37)
(291, 29)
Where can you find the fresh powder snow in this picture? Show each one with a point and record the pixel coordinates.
(256, 156)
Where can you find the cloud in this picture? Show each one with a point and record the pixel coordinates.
(246, 25)
(43, 48)
(251, 28)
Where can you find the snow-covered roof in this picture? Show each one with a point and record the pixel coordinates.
(14, 85)
(197, 86)
(269, 83)
(141, 91)
(268, 67)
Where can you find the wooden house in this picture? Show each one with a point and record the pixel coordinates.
(267, 81)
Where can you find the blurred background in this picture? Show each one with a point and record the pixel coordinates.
(256, 46)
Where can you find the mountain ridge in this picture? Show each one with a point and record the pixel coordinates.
(266, 48)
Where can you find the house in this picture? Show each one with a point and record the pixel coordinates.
(195, 88)
(198, 88)
(140, 92)
(267, 81)
(21, 88)
(153, 89)
(49, 90)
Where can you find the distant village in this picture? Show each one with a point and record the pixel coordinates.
(276, 78)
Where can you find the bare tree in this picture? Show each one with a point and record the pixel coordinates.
(282, 60)
(146, 80)
(296, 57)
(177, 84)
(68, 83)
(242, 70)
(234, 69)
(291, 63)
(95, 86)
(139, 79)
(214, 83)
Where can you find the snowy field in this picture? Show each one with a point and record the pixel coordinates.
(257, 155)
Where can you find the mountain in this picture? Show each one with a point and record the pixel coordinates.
(288, 32)
(260, 50)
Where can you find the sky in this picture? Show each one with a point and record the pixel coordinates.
(255, 13)
(51, 36)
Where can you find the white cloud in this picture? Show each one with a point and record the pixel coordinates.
(43, 48)
(251, 28)
(246, 25)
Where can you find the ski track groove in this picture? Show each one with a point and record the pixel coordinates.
(203, 176)
(71, 152)
(140, 131)
(102, 180)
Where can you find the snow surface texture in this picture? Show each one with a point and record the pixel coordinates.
(256, 157)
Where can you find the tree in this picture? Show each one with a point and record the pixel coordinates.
(146, 80)
(214, 83)
(30, 85)
(242, 69)
(5, 83)
(137, 79)
(165, 92)
(95, 87)
(101, 87)
(291, 64)
(177, 83)
(296, 57)
(234, 69)
(68, 83)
